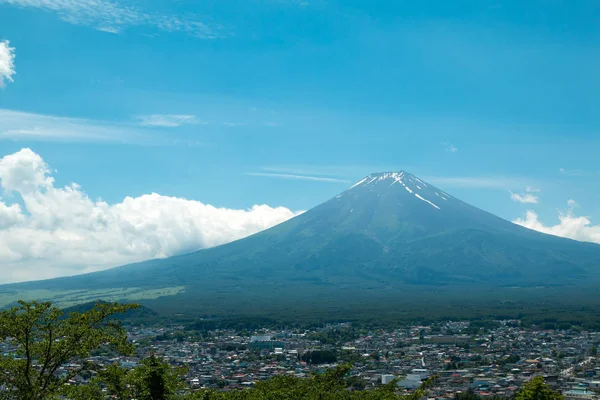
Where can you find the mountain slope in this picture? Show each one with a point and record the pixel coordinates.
(388, 230)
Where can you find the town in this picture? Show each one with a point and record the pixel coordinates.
(493, 359)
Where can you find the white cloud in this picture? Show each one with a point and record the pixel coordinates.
(167, 120)
(52, 231)
(113, 16)
(7, 62)
(569, 226)
(449, 147)
(526, 198)
(298, 177)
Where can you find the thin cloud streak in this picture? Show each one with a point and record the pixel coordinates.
(298, 177)
(293, 171)
(579, 173)
(167, 120)
(110, 16)
(491, 182)
(19, 125)
(352, 173)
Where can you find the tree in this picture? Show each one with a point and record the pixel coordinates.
(155, 379)
(46, 339)
(536, 389)
(319, 357)
(152, 379)
(468, 395)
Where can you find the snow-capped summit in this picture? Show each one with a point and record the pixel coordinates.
(408, 182)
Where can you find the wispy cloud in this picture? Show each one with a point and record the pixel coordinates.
(350, 173)
(148, 130)
(175, 120)
(449, 147)
(298, 177)
(114, 17)
(528, 197)
(579, 173)
(7, 63)
(167, 120)
(18, 125)
(295, 171)
(484, 182)
(345, 171)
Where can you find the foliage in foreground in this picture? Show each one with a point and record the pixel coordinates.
(331, 385)
(45, 338)
(536, 389)
(153, 379)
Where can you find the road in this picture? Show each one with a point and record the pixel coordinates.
(569, 371)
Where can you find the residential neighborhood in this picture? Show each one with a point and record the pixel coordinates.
(460, 357)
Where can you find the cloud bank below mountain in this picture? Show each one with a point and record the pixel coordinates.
(48, 231)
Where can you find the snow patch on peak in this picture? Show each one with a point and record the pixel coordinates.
(422, 183)
(410, 182)
(396, 177)
(425, 200)
(359, 182)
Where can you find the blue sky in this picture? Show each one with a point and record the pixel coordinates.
(287, 102)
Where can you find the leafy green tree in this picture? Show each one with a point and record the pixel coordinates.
(319, 357)
(155, 379)
(468, 395)
(536, 389)
(356, 383)
(114, 378)
(45, 339)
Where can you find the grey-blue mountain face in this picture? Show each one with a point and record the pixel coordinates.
(388, 231)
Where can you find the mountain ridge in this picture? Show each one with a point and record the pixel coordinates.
(389, 227)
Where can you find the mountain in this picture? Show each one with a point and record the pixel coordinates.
(389, 232)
